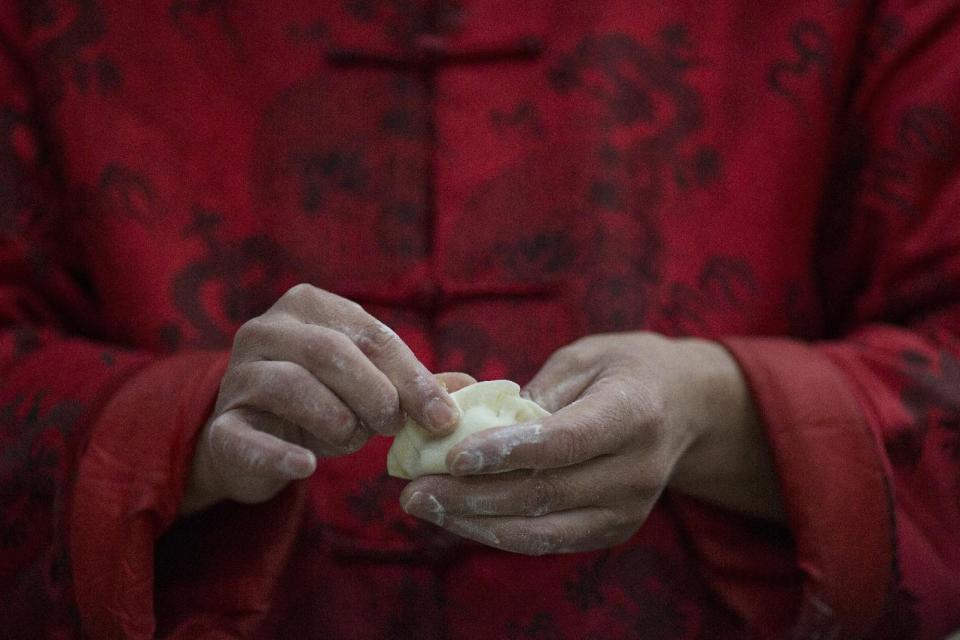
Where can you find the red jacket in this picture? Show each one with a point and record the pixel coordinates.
(492, 179)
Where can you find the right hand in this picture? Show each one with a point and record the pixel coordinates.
(313, 376)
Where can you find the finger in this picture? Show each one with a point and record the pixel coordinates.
(254, 465)
(454, 380)
(421, 396)
(563, 532)
(523, 493)
(563, 377)
(333, 359)
(595, 425)
(287, 390)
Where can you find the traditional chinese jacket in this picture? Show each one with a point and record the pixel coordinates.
(493, 180)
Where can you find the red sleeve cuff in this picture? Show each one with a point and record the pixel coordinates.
(130, 481)
(831, 478)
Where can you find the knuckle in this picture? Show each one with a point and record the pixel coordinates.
(646, 402)
(341, 430)
(652, 429)
(478, 504)
(354, 443)
(252, 332)
(642, 410)
(343, 422)
(300, 292)
(303, 300)
(216, 437)
(235, 385)
(385, 396)
(572, 356)
(586, 348)
(653, 406)
(584, 343)
(544, 496)
(275, 385)
(615, 410)
(380, 409)
(350, 305)
(274, 382)
(327, 344)
(569, 444)
(390, 418)
(377, 339)
(230, 451)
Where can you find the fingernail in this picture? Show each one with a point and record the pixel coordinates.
(297, 465)
(441, 413)
(466, 462)
(425, 506)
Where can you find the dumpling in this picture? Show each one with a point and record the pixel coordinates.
(482, 405)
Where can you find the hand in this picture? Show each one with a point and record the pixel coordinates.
(313, 376)
(634, 414)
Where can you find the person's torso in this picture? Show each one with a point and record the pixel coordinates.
(492, 179)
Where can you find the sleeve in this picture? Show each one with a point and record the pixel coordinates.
(865, 425)
(96, 438)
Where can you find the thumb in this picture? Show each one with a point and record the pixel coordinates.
(252, 464)
(561, 380)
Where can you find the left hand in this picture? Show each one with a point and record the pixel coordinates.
(634, 413)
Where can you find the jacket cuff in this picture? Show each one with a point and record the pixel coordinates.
(130, 481)
(832, 482)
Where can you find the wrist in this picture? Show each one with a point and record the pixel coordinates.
(728, 461)
(714, 394)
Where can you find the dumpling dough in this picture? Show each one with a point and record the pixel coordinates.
(483, 405)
